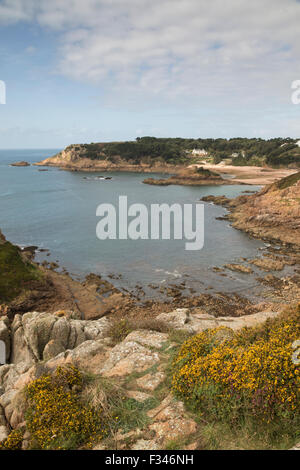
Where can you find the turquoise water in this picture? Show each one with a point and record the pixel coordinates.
(57, 210)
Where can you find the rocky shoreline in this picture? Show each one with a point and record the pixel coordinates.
(72, 160)
(60, 290)
(272, 214)
(55, 323)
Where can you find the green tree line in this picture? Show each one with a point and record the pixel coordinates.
(255, 151)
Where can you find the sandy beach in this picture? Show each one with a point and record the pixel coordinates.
(255, 175)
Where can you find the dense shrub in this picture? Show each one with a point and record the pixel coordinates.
(119, 330)
(247, 373)
(56, 417)
(151, 150)
(15, 272)
(13, 441)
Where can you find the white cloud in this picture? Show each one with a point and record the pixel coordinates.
(242, 51)
(12, 11)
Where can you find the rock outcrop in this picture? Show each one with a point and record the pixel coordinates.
(272, 213)
(190, 177)
(42, 336)
(40, 342)
(183, 319)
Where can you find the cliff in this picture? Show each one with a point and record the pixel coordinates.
(78, 158)
(273, 213)
(72, 157)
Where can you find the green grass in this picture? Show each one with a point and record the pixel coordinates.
(176, 444)
(288, 181)
(246, 436)
(122, 414)
(179, 336)
(15, 273)
(131, 414)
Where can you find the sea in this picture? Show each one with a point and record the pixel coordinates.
(55, 210)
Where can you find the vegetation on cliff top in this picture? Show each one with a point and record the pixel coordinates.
(150, 150)
(56, 416)
(244, 378)
(15, 272)
(288, 181)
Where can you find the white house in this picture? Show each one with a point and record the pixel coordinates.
(199, 153)
(237, 154)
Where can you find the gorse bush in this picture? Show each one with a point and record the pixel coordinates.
(56, 417)
(13, 441)
(249, 373)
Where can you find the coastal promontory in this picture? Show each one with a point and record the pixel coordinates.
(176, 157)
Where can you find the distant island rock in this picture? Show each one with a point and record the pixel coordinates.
(20, 164)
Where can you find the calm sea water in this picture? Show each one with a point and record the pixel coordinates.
(57, 210)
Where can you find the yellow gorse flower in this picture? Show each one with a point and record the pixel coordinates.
(56, 417)
(253, 366)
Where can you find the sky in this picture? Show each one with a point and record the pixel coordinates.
(99, 70)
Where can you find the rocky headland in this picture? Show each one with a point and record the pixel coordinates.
(75, 158)
(142, 157)
(271, 214)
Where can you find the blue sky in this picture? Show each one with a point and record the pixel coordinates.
(103, 70)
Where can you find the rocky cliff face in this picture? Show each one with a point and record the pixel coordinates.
(273, 213)
(75, 157)
(72, 155)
